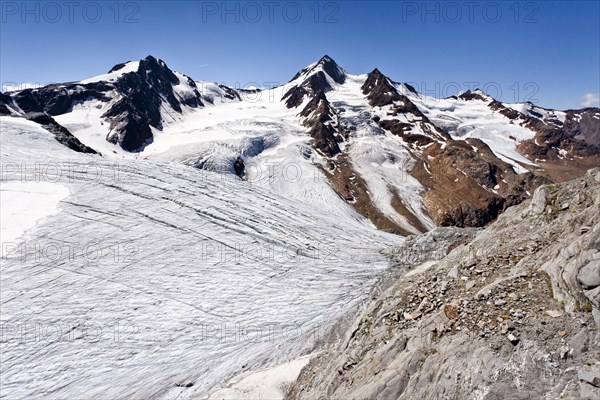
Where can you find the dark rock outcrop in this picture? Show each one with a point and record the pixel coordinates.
(143, 93)
(584, 124)
(323, 126)
(410, 88)
(379, 90)
(402, 130)
(239, 167)
(5, 100)
(313, 86)
(332, 69)
(328, 65)
(61, 134)
(58, 99)
(315, 81)
(118, 67)
(473, 95)
(229, 93)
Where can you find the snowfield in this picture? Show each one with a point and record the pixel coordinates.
(464, 119)
(153, 279)
(25, 203)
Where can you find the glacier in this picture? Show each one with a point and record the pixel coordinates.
(154, 279)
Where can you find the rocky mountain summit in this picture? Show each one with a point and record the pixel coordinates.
(512, 314)
(140, 96)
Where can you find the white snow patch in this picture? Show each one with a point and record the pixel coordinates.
(420, 268)
(113, 76)
(24, 204)
(266, 384)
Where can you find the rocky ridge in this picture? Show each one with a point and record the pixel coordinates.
(514, 314)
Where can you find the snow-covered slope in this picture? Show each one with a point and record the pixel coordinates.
(473, 118)
(143, 278)
(115, 73)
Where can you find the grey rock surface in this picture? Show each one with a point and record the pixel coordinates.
(539, 199)
(514, 314)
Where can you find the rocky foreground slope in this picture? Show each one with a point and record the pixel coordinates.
(514, 314)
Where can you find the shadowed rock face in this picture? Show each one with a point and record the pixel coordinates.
(332, 69)
(502, 109)
(130, 128)
(378, 89)
(139, 108)
(402, 130)
(328, 65)
(318, 115)
(4, 101)
(584, 124)
(323, 126)
(61, 134)
(118, 67)
(472, 95)
(239, 167)
(229, 93)
(381, 92)
(315, 82)
(58, 99)
(313, 86)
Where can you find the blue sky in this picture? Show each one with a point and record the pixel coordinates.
(547, 52)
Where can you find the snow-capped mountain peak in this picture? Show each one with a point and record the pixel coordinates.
(476, 94)
(326, 65)
(379, 89)
(125, 104)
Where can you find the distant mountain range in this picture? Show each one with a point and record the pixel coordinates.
(406, 161)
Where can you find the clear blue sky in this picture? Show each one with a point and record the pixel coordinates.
(547, 51)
